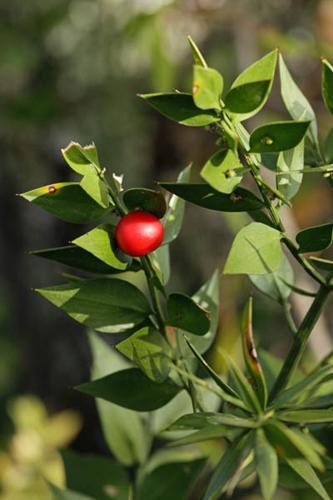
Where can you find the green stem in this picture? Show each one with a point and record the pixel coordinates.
(150, 276)
(290, 320)
(299, 343)
(308, 268)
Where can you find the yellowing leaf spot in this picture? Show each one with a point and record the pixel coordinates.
(195, 89)
(267, 140)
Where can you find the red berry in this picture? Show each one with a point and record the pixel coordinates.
(139, 233)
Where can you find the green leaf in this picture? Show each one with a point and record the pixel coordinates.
(326, 265)
(160, 260)
(250, 354)
(247, 97)
(217, 379)
(307, 416)
(306, 472)
(74, 256)
(278, 136)
(124, 430)
(68, 201)
(81, 159)
(255, 250)
(148, 200)
(173, 218)
(62, 494)
(290, 162)
(243, 386)
(181, 108)
(228, 465)
(206, 297)
(96, 476)
(199, 59)
(266, 465)
(169, 480)
(186, 314)
(107, 305)
(291, 444)
(203, 419)
(296, 102)
(263, 69)
(149, 351)
(96, 188)
(328, 146)
(315, 239)
(297, 390)
(131, 389)
(220, 171)
(101, 244)
(205, 434)
(274, 284)
(205, 196)
(327, 84)
(207, 87)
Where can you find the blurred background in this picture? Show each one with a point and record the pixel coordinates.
(70, 70)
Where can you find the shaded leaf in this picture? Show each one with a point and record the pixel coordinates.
(205, 434)
(325, 264)
(107, 305)
(255, 250)
(131, 389)
(205, 196)
(100, 242)
(220, 171)
(206, 297)
(297, 390)
(247, 97)
(274, 284)
(203, 419)
(266, 465)
(97, 476)
(307, 416)
(228, 465)
(173, 218)
(217, 379)
(263, 69)
(290, 162)
(328, 146)
(149, 351)
(327, 84)
(68, 201)
(78, 258)
(296, 102)
(186, 314)
(181, 108)
(124, 431)
(315, 239)
(306, 472)
(291, 444)
(169, 480)
(207, 87)
(62, 494)
(148, 200)
(278, 136)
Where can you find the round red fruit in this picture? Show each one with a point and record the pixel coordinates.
(139, 233)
